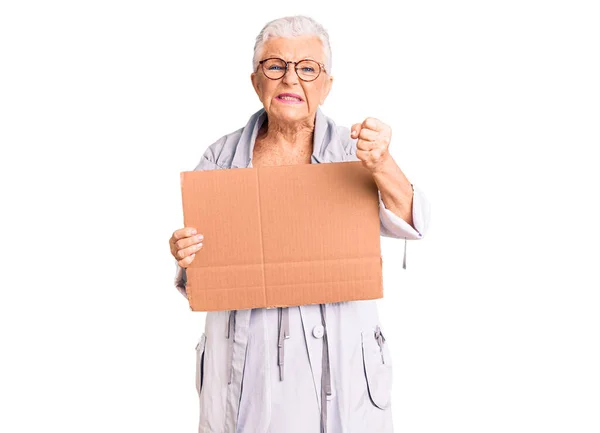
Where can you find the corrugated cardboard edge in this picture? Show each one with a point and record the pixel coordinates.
(187, 292)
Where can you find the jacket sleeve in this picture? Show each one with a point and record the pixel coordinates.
(180, 279)
(391, 225)
(395, 227)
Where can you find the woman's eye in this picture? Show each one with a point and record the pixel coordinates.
(308, 69)
(275, 68)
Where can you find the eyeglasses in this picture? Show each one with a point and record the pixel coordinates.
(308, 70)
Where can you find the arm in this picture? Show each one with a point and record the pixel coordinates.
(404, 210)
(406, 214)
(391, 225)
(394, 226)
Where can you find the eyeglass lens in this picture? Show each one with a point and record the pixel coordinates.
(308, 70)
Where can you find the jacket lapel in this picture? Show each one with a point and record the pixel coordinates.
(327, 146)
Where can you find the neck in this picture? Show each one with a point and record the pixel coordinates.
(288, 136)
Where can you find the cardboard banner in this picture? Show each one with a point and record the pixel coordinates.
(283, 236)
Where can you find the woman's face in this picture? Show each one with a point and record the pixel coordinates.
(312, 93)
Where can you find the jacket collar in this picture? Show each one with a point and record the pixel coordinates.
(325, 140)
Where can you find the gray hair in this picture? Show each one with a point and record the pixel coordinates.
(291, 27)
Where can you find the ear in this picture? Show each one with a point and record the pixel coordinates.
(255, 84)
(326, 89)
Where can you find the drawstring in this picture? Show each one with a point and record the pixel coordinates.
(230, 335)
(404, 261)
(380, 340)
(284, 334)
(326, 373)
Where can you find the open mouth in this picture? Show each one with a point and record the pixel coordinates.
(288, 97)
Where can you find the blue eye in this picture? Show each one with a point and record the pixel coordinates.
(275, 68)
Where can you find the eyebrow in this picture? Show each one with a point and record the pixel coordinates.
(281, 57)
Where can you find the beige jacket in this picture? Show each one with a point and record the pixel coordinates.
(269, 370)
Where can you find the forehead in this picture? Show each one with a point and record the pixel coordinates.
(294, 48)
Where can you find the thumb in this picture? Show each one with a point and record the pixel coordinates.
(355, 130)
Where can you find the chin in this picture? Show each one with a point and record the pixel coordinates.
(290, 113)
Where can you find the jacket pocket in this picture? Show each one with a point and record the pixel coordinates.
(378, 367)
(200, 363)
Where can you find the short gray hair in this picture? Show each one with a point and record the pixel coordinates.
(291, 27)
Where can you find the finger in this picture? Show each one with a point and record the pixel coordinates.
(184, 263)
(365, 145)
(372, 123)
(355, 130)
(363, 155)
(185, 232)
(188, 242)
(368, 134)
(185, 252)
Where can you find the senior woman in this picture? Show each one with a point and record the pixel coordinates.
(310, 368)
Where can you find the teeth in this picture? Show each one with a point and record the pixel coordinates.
(289, 98)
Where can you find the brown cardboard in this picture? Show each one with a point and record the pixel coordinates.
(283, 236)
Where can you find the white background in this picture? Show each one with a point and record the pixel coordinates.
(495, 111)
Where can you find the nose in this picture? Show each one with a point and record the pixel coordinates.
(291, 76)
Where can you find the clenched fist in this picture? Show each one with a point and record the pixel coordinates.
(374, 138)
(184, 244)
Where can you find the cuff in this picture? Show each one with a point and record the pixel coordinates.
(181, 280)
(394, 226)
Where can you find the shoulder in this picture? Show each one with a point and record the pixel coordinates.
(336, 138)
(347, 142)
(219, 154)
